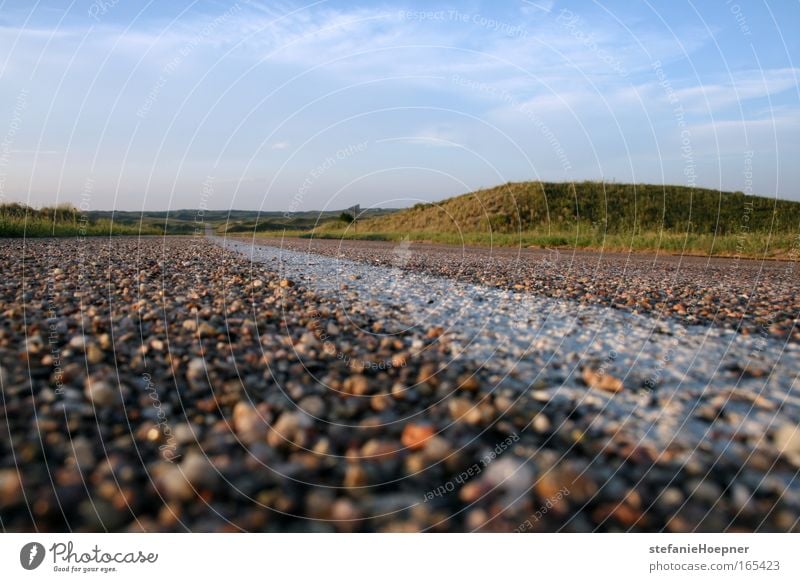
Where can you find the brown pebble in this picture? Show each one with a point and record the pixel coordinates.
(357, 385)
(355, 476)
(415, 436)
(10, 488)
(601, 381)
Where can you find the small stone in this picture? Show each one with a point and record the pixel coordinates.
(346, 515)
(787, 439)
(313, 405)
(427, 373)
(435, 332)
(289, 430)
(198, 470)
(248, 424)
(355, 476)
(380, 402)
(415, 436)
(100, 393)
(740, 497)
(10, 488)
(437, 449)
(476, 519)
(622, 513)
(375, 450)
(94, 355)
(206, 329)
(357, 385)
(83, 453)
(190, 325)
(469, 383)
(704, 491)
(541, 423)
(183, 433)
(601, 381)
(672, 497)
(78, 343)
(286, 283)
(173, 485)
(399, 391)
(196, 369)
(462, 410)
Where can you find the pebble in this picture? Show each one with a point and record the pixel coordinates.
(787, 439)
(601, 381)
(358, 385)
(248, 423)
(460, 408)
(313, 405)
(289, 430)
(415, 435)
(101, 393)
(10, 488)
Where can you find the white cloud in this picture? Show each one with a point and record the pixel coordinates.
(739, 87)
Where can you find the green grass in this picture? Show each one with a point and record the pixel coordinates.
(781, 245)
(18, 220)
(611, 208)
(275, 223)
(596, 215)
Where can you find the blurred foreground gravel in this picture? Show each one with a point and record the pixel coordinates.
(173, 384)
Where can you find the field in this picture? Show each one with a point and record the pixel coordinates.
(17, 220)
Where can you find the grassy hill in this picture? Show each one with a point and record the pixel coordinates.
(597, 214)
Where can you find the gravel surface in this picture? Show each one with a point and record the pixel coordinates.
(172, 384)
(753, 297)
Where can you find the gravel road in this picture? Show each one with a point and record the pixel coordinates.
(753, 297)
(189, 384)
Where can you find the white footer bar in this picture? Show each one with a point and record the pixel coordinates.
(401, 557)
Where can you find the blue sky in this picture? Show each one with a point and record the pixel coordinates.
(282, 105)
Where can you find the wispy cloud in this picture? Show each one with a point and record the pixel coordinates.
(743, 86)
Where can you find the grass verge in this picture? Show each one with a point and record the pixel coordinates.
(750, 245)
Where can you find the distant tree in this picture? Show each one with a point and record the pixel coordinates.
(347, 218)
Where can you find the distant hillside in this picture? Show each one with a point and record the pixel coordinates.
(294, 221)
(188, 221)
(611, 208)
